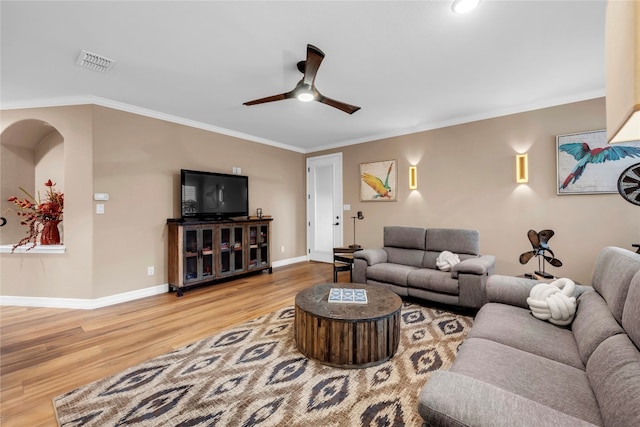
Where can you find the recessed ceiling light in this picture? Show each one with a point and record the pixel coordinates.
(464, 6)
(94, 62)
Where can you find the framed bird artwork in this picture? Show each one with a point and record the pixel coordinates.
(379, 181)
(586, 164)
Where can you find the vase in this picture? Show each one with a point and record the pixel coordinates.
(50, 235)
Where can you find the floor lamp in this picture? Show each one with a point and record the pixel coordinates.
(358, 216)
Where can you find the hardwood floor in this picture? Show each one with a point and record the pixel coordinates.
(46, 352)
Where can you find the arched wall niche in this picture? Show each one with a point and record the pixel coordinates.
(32, 151)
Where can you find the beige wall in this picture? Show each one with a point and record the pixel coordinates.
(466, 179)
(137, 160)
(69, 274)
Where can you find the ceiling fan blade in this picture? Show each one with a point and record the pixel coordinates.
(347, 108)
(314, 59)
(272, 98)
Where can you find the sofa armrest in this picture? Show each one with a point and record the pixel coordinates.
(451, 399)
(372, 256)
(482, 265)
(515, 290)
(510, 290)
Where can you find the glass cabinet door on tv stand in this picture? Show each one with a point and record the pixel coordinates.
(231, 249)
(198, 254)
(258, 245)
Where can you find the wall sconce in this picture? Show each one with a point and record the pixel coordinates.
(413, 178)
(522, 168)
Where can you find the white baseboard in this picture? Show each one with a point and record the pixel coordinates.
(289, 261)
(81, 303)
(90, 304)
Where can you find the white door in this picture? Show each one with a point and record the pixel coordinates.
(324, 206)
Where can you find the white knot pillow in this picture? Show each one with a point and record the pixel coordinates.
(446, 260)
(553, 301)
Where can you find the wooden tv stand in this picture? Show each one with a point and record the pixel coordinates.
(208, 251)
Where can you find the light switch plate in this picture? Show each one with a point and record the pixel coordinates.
(99, 208)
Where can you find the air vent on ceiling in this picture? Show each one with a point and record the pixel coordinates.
(94, 61)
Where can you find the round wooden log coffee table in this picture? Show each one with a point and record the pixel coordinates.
(347, 335)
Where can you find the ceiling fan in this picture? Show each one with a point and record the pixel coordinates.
(306, 90)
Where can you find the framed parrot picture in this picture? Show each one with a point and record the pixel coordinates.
(379, 181)
(588, 165)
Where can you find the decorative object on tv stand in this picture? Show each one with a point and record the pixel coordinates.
(45, 213)
(358, 216)
(588, 165)
(629, 184)
(259, 213)
(540, 243)
(379, 181)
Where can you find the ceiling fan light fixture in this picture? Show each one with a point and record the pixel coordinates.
(305, 96)
(464, 6)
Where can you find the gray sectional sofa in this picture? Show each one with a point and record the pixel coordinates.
(514, 369)
(406, 264)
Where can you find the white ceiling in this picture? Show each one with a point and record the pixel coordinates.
(410, 65)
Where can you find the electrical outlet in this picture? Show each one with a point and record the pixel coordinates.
(150, 271)
(282, 249)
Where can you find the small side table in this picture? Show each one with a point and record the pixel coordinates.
(343, 261)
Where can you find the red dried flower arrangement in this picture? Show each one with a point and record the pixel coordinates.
(40, 212)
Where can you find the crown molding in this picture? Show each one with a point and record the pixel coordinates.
(121, 106)
(104, 102)
(552, 102)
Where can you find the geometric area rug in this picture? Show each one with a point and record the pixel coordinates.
(253, 375)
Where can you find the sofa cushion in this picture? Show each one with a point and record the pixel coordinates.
(593, 324)
(612, 274)
(390, 273)
(433, 280)
(412, 257)
(631, 313)
(614, 373)
(517, 328)
(400, 290)
(554, 384)
(454, 240)
(453, 400)
(404, 237)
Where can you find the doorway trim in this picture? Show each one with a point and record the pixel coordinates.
(337, 197)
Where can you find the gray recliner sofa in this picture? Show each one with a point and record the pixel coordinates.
(514, 369)
(406, 264)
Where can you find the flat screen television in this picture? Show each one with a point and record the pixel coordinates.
(213, 196)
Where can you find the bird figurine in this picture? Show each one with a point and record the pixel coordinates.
(540, 243)
(382, 189)
(585, 155)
